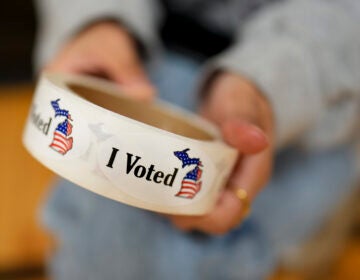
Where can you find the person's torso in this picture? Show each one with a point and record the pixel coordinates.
(206, 27)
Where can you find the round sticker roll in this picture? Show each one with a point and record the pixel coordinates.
(149, 155)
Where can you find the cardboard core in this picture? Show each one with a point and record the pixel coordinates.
(143, 112)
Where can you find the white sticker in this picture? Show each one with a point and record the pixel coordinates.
(61, 132)
(121, 158)
(156, 172)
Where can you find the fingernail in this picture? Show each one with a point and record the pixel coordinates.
(259, 134)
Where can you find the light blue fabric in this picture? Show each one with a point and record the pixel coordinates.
(103, 239)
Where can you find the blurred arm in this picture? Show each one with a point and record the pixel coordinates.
(305, 57)
(59, 20)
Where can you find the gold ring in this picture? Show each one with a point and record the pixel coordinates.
(243, 196)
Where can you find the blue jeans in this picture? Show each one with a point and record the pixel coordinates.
(103, 239)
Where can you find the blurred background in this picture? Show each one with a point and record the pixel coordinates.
(24, 182)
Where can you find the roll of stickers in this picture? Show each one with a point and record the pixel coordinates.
(153, 156)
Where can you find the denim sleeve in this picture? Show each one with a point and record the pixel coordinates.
(305, 57)
(59, 20)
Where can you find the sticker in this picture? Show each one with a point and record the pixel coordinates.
(154, 171)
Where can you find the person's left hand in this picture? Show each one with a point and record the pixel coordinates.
(245, 119)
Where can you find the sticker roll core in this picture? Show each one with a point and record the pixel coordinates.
(154, 156)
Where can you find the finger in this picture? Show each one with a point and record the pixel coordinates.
(60, 65)
(78, 65)
(142, 92)
(226, 215)
(252, 172)
(125, 72)
(132, 79)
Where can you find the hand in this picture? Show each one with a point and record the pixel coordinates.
(105, 49)
(246, 121)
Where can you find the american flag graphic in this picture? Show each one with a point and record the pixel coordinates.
(186, 160)
(191, 183)
(62, 142)
(60, 112)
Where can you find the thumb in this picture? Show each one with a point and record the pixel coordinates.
(244, 135)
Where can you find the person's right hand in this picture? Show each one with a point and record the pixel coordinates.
(105, 49)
